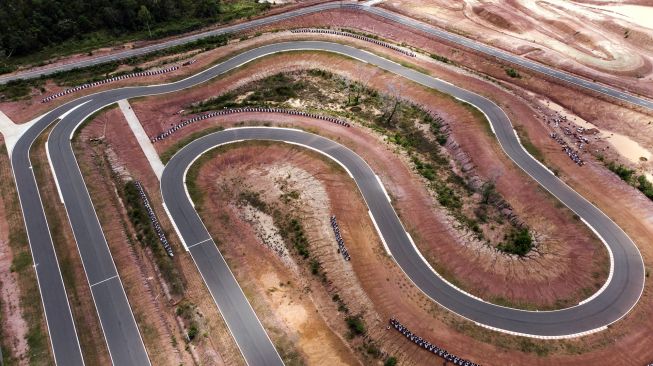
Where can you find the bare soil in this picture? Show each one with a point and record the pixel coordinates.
(136, 273)
(603, 349)
(293, 306)
(89, 332)
(13, 328)
(581, 38)
(573, 259)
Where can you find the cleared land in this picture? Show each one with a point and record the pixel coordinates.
(467, 221)
(175, 314)
(631, 333)
(585, 37)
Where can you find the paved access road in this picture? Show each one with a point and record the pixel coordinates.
(388, 15)
(619, 295)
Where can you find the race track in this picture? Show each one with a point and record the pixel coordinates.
(618, 296)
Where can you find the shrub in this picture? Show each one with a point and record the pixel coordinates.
(356, 325)
(192, 331)
(440, 58)
(517, 242)
(391, 361)
(622, 171)
(645, 186)
(513, 73)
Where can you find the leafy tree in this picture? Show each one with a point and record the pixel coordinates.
(145, 18)
(30, 26)
(391, 361)
(207, 9)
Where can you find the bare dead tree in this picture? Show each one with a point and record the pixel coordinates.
(394, 92)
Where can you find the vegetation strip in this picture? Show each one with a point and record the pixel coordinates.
(153, 219)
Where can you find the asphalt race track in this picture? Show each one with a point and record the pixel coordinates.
(618, 296)
(386, 14)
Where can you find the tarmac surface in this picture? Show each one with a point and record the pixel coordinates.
(619, 295)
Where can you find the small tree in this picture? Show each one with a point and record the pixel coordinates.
(145, 18)
(391, 361)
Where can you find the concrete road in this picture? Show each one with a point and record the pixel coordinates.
(618, 296)
(386, 14)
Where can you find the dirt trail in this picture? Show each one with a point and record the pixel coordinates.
(585, 38)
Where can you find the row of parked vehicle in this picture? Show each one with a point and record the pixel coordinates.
(109, 80)
(429, 346)
(226, 111)
(154, 220)
(357, 36)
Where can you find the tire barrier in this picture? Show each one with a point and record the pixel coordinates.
(354, 35)
(429, 346)
(153, 219)
(223, 112)
(341, 243)
(110, 80)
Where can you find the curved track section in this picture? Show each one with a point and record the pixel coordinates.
(617, 297)
(383, 13)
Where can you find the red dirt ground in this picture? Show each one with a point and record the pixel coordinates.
(566, 168)
(564, 275)
(218, 347)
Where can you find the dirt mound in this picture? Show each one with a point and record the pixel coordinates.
(493, 15)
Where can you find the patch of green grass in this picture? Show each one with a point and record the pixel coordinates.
(622, 171)
(645, 186)
(517, 242)
(528, 144)
(146, 235)
(390, 361)
(441, 58)
(513, 73)
(356, 325)
(528, 346)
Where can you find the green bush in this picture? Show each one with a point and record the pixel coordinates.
(440, 58)
(391, 361)
(146, 235)
(518, 242)
(645, 186)
(622, 171)
(193, 331)
(513, 73)
(356, 325)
